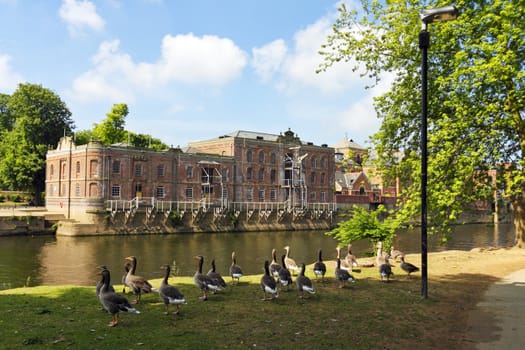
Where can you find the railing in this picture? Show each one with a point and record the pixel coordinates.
(160, 205)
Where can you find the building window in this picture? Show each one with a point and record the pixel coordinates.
(322, 178)
(225, 172)
(63, 170)
(273, 158)
(261, 174)
(189, 193)
(312, 178)
(312, 196)
(160, 192)
(273, 195)
(93, 168)
(249, 194)
(313, 162)
(78, 167)
(249, 155)
(138, 169)
(224, 193)
(64, 190)
(261, 157)
(261, 195)
(77, 190)
(116, 167)
(160, 170)
(323, 197)
(323, 163)
(51, 171)
(189, 172)
(249, 173)
(272, 175)
(115, 191)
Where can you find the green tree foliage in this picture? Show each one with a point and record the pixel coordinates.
(111, 130)
(34, 119)
(145, 141)
(6, 118)
(375, 226)
(475, 89)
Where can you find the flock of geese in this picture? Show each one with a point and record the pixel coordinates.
(275, 275)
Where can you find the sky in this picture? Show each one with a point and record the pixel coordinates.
(189, 70)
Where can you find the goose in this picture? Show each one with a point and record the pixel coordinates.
(350, 258)
(136, 283)
(344, 264)
(342, 275)
(290, 263)
(215, 276)
(274, 265)
(111, 301)
(235, 270)
(408, 267)
(385, 271)
(202, 281)
(285, 277)
(127, 266)
(268, 284)
(394, 253)
(304, 284)
(101, 282)
(381, 257)
(319, 266)
(168, 293)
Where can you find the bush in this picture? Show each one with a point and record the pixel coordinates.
(2, 198)
(15, 198)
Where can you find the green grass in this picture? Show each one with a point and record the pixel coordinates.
(368, 314)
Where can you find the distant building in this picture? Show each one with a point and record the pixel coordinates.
(241, 167)
(356, 181)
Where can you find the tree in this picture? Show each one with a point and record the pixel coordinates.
(475, 89)
(111, 130)
(36, 119)
(375, 226)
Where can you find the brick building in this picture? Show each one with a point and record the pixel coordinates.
(242, 167)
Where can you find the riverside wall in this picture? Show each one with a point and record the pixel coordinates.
(39, 222)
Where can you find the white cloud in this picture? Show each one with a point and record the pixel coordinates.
(295, 69)
(9, 79)
(80, 14)
(268, 59)
(207, 60)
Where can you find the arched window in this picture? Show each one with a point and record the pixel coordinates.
(273, 159)
(261, 156)
(249, 155)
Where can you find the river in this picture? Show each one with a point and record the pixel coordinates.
(50, 260)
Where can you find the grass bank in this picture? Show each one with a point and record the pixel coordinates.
(368, 314)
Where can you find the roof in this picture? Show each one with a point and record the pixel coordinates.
(348, 143)
(254, 135)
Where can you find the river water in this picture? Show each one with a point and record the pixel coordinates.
(50, 260)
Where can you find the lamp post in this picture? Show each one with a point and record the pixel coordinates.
(427, 16)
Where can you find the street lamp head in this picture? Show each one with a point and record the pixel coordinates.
(438, 14)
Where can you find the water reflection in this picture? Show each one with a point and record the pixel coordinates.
(53, 260)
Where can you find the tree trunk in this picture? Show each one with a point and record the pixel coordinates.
(518, 214)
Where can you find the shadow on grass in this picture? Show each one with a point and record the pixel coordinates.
(363, 315)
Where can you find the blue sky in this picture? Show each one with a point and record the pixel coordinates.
(188, 70)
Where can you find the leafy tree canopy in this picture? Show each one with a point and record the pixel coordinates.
(32, 119)
(112, 130)
(476, 84)
(375, 226)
